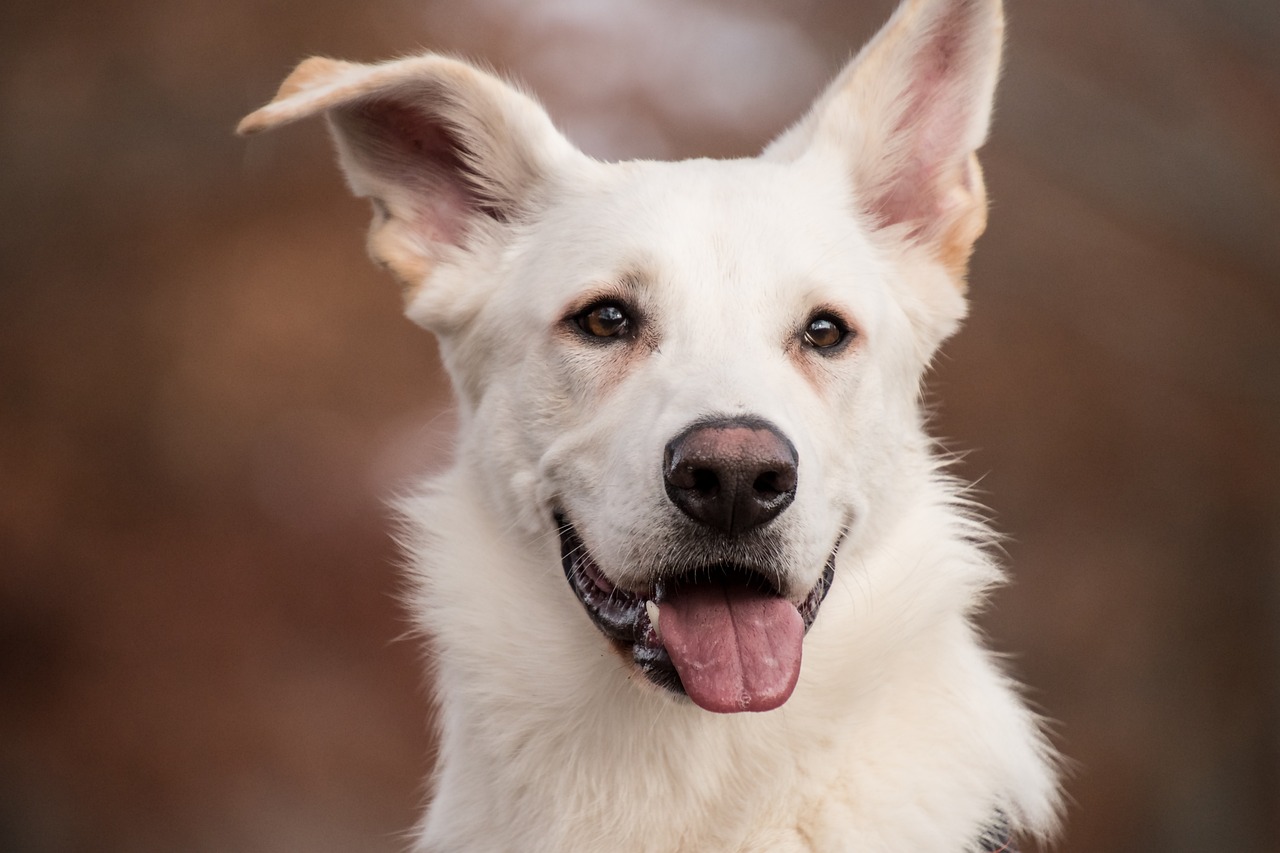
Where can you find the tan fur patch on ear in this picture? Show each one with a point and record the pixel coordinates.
(314, 71)
(315, 85)
(393, 246)
(964, 223)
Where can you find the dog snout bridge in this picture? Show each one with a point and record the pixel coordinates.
(731, 474)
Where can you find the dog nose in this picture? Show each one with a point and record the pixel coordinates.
(731, 475)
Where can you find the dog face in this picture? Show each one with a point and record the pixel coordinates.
(714, 365)
(715, 317)
(703, 294)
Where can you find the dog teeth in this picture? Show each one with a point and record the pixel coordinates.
(651, 607)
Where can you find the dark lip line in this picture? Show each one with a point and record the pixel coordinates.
(616, 612)
(622, 615)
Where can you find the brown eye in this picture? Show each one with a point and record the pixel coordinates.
(604, 320)
(825, 331)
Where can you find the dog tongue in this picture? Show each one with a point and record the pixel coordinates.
(736, 649)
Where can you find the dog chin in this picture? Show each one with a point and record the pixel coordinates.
(720, 634)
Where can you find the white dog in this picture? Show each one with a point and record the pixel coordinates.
(691, 455)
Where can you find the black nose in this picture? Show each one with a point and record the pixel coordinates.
(731, 475)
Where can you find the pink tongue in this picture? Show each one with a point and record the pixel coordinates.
(735, 649)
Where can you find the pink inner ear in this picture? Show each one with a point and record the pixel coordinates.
(421, 162)
(931, 134)
(422, 139)
(442, 216)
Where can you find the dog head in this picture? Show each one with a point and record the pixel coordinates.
(704, 374)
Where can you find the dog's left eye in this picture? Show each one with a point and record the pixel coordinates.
(604, 320)
(825, 332)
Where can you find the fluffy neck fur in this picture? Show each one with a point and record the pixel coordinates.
(902, 733)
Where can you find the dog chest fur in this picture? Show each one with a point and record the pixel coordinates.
(908, 744)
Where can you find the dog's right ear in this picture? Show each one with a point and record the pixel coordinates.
(449, 156)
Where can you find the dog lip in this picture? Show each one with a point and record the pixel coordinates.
(622, 615)
(618, 613)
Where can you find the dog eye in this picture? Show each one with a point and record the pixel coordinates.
(825, 331)
(604, 320)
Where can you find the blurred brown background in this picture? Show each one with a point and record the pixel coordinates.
(206, 393)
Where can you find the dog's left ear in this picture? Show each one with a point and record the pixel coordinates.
(906, 118)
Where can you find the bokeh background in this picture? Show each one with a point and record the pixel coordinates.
(207, 393)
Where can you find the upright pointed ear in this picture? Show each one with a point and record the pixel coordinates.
(449, 156)
(907, 116)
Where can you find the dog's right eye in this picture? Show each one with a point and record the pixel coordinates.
(604, 320)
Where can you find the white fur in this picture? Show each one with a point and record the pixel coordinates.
(902, 734)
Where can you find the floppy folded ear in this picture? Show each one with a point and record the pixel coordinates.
(448, 154)
(907, 116)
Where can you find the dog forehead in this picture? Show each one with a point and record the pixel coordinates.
(731, 203)
(700, 226)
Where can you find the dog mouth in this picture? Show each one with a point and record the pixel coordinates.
(722, 634)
